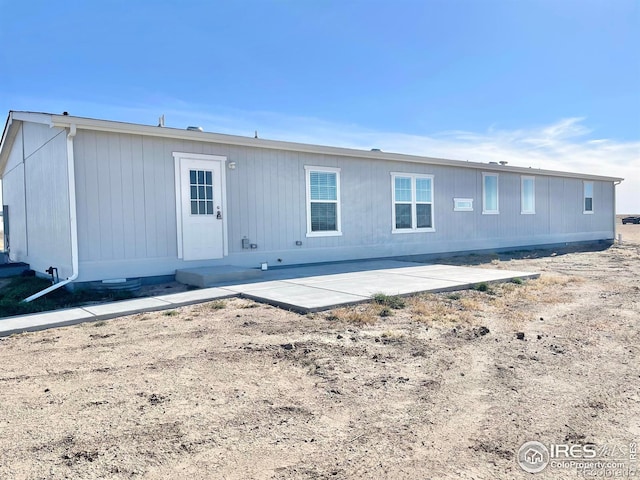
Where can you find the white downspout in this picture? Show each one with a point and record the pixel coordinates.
(73, 220)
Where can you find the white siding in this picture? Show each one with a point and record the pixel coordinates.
(35, 187)
(127, 218)
(47, 199)
(13, 195)
(16, 155)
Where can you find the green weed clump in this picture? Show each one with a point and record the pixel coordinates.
(391, 301)
(19, 288)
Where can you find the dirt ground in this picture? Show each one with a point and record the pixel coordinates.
(441, 388)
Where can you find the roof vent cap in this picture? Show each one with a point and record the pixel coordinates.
(376, 150)
(493, 163)
(503, 162)
(195, 129)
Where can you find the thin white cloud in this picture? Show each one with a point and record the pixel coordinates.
(564, 145)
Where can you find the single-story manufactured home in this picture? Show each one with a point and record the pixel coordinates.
(100, 199)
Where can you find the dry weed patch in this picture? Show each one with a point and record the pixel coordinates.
(438, 308)
(358, 315)
(471, 304)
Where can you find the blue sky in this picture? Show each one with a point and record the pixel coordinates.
(542, 83)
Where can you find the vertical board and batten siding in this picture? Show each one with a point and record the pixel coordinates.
(13, 195)
(35, 186)
(127, 212)
(126, 199)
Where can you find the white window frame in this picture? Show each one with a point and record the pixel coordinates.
(457, 204)
(584, 197)
(414, 220)
(523, 179)
(331, 233)
(484, 194)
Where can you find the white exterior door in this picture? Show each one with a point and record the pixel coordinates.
(200, 206)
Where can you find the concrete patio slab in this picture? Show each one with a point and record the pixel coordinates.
(256, 287)
(42, 321)
(196, 296)
(473, 275)
(340, 277)
(207, 276)
(309, 271)
(368, 285)
(302, 298)
(302, 289)
(127, 307)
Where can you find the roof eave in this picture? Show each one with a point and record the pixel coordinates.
(65, 121)
(6, 142)
(168, 132)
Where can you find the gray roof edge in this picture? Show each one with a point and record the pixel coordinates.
(7, 132)
(66, 121)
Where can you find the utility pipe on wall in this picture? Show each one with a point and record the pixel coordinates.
(73, 220)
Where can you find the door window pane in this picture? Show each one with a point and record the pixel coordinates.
(201, 189)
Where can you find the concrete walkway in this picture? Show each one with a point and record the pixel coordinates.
(301, 289)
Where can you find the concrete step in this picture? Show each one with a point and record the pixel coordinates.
(12, 269)
(208, 276)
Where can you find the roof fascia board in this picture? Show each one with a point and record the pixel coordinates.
(43, 118)
(14, 120)
(6, 142)
(167, 132)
